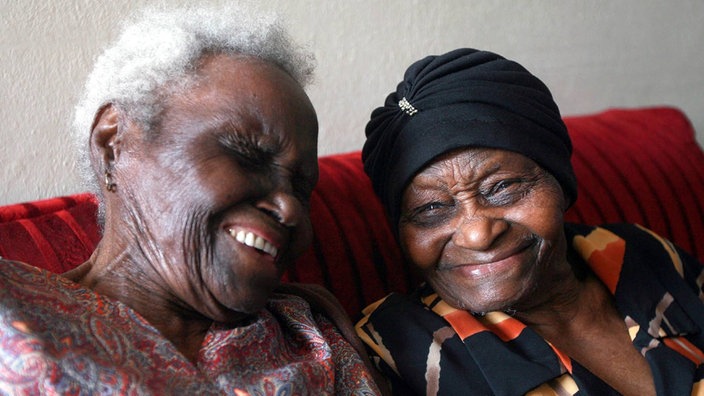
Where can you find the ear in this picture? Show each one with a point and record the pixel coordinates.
(105, 138)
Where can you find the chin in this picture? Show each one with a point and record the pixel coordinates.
(480, 308)
(249, 290)
(480, 303)
(244, 300)
(253, 303)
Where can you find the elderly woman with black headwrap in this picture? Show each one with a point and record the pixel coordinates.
(202, 144)
(471, 160)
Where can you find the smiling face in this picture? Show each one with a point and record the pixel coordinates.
(217, 198)
(485, 227)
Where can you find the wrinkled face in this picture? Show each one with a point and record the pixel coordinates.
(219, 197)
(485, 227)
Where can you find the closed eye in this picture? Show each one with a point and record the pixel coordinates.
(248, 154)
(504, 185)
(429, 207)
(429, 214)
(508, 191)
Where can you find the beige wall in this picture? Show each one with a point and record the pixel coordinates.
(592, 54)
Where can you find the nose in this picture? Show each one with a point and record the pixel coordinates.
(290, 211)
(479, 230)
(284, 207)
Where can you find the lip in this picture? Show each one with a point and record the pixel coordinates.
(494, 264)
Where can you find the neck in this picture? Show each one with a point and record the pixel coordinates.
(117, 274)
(558, 300)
(580, 305)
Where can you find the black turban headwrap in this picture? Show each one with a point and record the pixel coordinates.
(460, 99)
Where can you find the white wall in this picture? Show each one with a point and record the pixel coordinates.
(592, 54)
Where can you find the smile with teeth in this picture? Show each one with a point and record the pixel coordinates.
(252, 240)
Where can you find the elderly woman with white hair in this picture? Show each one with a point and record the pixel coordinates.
(201, 145)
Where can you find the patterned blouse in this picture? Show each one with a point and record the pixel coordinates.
(59, 338)
(424, 346)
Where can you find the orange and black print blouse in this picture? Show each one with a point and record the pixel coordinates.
(426, 347)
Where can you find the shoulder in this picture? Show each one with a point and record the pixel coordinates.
(636, 260)
(25, 282)
(633, 236)
(316, 303)
(312, 307)
(412, 343)
(55, 305)
(625, 231)
(308, 299)
(630, 243)
(395, 308)
(399, 322)
(22, 283)
(10, 269)
(318, 310)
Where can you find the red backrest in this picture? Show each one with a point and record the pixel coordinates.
(640, 167)
(636, 165)
(56, 234)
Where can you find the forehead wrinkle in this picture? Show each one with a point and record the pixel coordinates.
(459, 171)
(245, 127)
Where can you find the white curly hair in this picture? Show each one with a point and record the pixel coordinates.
(160, 47)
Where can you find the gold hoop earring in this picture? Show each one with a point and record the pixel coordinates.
(109, 185)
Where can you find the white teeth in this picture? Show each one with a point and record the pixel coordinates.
(255, 241)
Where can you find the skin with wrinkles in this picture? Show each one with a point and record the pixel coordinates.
(485, 227)
(236, 153)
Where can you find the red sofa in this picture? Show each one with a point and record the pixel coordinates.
(633, 165)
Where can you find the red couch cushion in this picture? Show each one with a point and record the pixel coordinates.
(632, 165)
(56, 234)
(640, 166)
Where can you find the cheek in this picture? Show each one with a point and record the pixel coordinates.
(422, 247)
(548, 222)
(188, 244)
(542, 214)
(303, 237)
